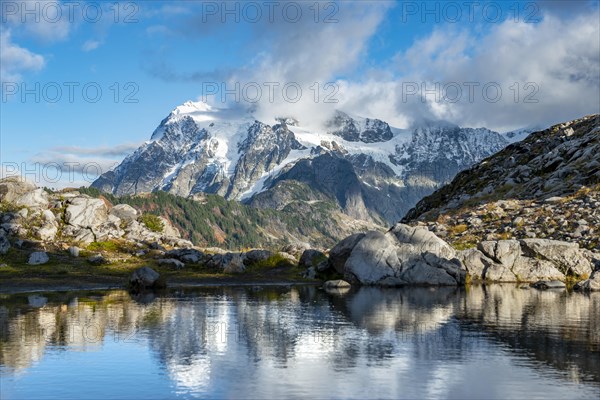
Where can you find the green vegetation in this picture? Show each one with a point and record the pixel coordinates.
(215, 221)
(64, 270)
(8, 207)
(274, 261)
(152, 222)
(111, 246)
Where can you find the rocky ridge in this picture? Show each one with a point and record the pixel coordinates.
(547, 186)
(555, 162)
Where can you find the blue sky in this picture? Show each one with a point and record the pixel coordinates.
(160, 54)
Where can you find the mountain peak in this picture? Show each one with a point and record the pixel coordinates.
(191, 107)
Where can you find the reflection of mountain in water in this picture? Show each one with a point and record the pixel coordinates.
(235, 336)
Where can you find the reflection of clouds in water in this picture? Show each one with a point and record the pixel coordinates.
(300, 342)
(193, 377)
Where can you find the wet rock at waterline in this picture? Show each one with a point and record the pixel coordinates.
(145, 278)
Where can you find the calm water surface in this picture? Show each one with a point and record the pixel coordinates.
(249, 342)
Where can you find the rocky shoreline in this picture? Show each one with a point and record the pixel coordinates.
(56, 237)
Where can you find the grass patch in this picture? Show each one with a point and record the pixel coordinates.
(457, 229)
(109, 246)
(274, 261)
(152, 222)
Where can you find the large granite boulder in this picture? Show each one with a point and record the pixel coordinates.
(37, 198)
(124, 212)
(404, 255)
(13, 188)
(566, 256)
(46, 232)
(168, 228)
(85, 212)
(341, 251)
(527, 260)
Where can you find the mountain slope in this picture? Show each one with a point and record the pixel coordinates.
(211, 220)
(370, 170)
(548, 185)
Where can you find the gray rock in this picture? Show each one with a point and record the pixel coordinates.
(543, 285)
(290, 258)
(74, 251)
(372, 259)
(144, 278)
(83, 235)
(172, 262)
(168, 228)
(38, 258)
(340, 253)
(532, 269)
(186, 255)
(4, 243)
(589, 285)
(475, 262)
(124, 212)
(567, 257)
(311, 258)
(46, 232)
(422, 273)
(37, 198)
(49, 217)
(233, 263)
(254, 256)
(403, 255)
(420, 240)
(97, 259)
(13, 188)
(504, 252)
(528, 260)
(338, 283)
(310, 273)
(296, 248)
(85, 212)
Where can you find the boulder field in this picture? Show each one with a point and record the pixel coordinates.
(413, 255)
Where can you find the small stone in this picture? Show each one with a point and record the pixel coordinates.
(171, 261)
(97, 259)
(145, 278)
(38, 258)
(543, 285)
(74, 251)
(338, 283)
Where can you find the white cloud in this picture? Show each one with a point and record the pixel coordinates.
(104, 151)
(90, 45)
(15, 59)
(560, 57)
(70, 166)
(307, 53)
(45, 20)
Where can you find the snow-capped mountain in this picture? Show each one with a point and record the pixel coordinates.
(373, 171)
